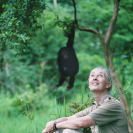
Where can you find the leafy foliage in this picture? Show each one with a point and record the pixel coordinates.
(123, 35)
(77, 107)
(65, 24)
(25, 107)
(16, 19)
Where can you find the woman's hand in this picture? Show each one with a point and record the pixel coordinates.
(45, 131)
(49, 127)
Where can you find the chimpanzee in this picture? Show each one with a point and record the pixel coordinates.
(67, 61)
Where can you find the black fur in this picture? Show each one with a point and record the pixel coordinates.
(68, 62)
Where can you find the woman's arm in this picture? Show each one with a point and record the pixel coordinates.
(76, 123)
(50, 125)
(65, 119)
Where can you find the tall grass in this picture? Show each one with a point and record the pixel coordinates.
(45, 107)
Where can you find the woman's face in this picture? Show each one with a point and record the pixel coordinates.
(98, 80)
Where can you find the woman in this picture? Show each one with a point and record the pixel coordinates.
(106, 115)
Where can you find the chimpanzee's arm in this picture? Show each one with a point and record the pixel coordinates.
(70, 41)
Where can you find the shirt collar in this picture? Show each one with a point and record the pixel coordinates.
(102, 101)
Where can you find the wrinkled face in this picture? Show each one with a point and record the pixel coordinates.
(98, 80)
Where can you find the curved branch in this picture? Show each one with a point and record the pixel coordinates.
(112, 23)
(94, 32)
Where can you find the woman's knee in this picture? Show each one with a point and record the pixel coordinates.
(69, 131)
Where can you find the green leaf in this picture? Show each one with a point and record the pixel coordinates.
(18, 102)
(32, 117)
(24, 101)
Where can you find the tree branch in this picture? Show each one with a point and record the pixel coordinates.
(94, 32)
(112, 23)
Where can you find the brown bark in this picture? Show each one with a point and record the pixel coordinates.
(109, 61)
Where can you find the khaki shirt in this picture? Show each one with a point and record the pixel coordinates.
(109, 116)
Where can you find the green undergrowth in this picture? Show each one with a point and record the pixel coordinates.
(29, 111)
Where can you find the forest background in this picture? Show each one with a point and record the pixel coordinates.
(29, 48)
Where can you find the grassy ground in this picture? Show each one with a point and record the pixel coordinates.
(21, 124)
(44, 108)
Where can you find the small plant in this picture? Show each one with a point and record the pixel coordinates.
(77, 107)
(24, 105)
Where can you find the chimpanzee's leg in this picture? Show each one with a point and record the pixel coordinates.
(61, 81)
(71, 82)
